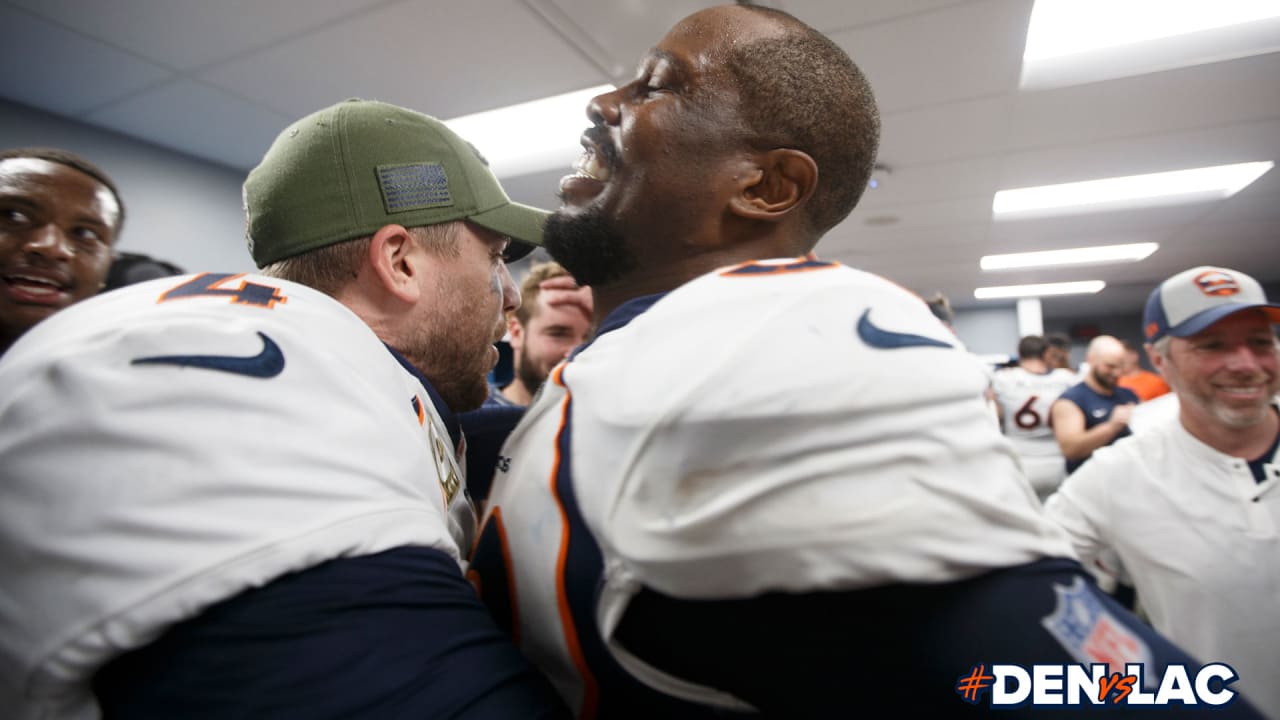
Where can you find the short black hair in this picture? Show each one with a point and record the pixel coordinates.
(73, 161)
(1058, 340)
(1032, 346)
(128, 268)
(802, 91)
(940, 306)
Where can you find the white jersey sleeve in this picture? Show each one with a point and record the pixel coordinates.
(171, 444)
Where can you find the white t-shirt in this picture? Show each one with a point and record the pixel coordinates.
(266, 430)
(1200, 538)
(784, 426)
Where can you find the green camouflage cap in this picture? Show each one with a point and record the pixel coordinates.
(347, 170)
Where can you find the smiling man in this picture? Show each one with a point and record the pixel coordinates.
(542, 333)
(769, 482)
(1192, 504)
(59, 219)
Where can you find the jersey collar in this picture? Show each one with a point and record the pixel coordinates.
(620, 317)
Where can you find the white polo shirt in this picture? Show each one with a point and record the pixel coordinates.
(1200, 538)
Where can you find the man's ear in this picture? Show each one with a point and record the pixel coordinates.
(395, 264)
(516, 331)
(1157, 360)
(777, 182)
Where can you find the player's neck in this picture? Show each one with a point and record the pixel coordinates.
(1034, 365)
(670, 275)
(609, 297)
(7, 341)
(516, 392)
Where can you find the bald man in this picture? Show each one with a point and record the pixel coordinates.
(1096, 412)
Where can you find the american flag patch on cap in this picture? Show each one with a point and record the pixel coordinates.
(414, 187)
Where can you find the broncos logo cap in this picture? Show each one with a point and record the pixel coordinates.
(1194, 299)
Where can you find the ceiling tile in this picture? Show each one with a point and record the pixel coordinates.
(1152, 104)
(832, 17)
(413, 54)
(229, 132)
(961, 52)
(939, 133)
(186, 34)
(1144, 154)
(613, 34)
(58, 70)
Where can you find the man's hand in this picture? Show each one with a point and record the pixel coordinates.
(1121, 415)
(564, 292)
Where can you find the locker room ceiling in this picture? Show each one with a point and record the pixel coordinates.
(218, 79)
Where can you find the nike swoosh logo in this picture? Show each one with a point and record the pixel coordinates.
(878, 337)
(266, 364)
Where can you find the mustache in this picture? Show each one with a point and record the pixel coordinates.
(598, 137)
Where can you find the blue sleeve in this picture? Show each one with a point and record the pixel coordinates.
(400, 634)
(486, 430)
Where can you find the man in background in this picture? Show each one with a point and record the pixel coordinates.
(553, 318)
(241, 496)
(1094, 413)
(60, 217)
(1144, 383)
(1024, 394)
(1058, 352)
(541, 333)
(1191, 503)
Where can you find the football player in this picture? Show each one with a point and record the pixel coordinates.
(770, 483)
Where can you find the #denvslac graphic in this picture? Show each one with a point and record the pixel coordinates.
(1110, 668)
(1077, 685)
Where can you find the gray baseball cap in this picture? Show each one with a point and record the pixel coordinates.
(1194, 299)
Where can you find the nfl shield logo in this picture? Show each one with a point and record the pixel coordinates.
(1084, 626)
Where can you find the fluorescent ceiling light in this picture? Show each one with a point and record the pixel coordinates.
(530, 137)
(1083, 287)
(1166, 188)
(1075, 41)
(1099, 254)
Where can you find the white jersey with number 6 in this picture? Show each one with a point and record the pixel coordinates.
(1024, 399)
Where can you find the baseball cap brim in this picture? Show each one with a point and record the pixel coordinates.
(522, 223)
(1202, 320)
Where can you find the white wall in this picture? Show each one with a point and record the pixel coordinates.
(991, 331)
(179, 209)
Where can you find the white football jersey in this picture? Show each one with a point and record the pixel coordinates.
(784, 426)
(166, 446)
(1024, 398)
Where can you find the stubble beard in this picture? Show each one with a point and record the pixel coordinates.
(528, 374)
(1236, 418)
(1103, 382)
(452, 353)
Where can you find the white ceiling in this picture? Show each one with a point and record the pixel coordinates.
(217, 79)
